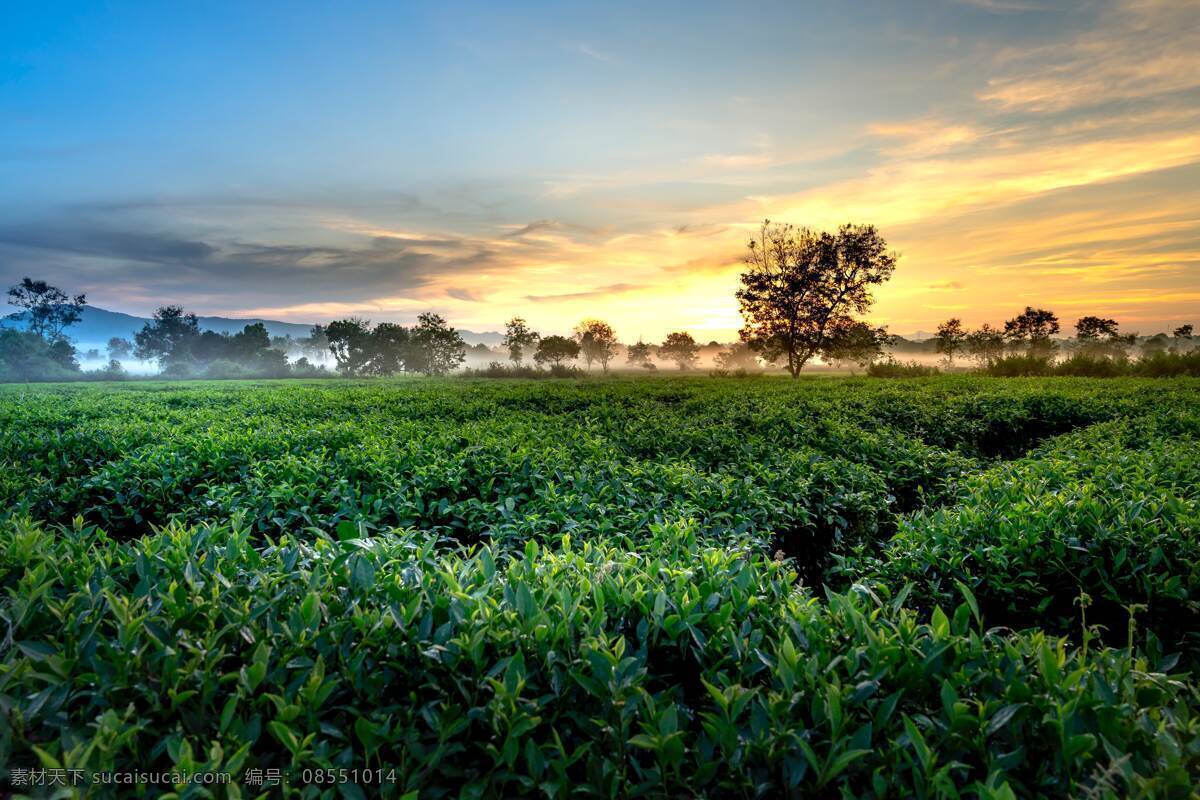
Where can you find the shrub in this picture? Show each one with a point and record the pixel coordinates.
(891, 368)
(608, 587)
(683, 669)
(1169, 365)
(1015, 366)
(1095, 515)
(497, 370)
(1092, 366)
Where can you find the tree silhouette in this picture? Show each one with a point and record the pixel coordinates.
(951, 337)
(855, 343)
(555, 350)
(597, 342)
(681, 348)
(801, 285)
(436, 347)
(350, 343)
(1098, 336)
(518, 337)
(1033, 328)
(167, 337)
(986, 344)
(390, 349)
(739, 356)
(50, 309)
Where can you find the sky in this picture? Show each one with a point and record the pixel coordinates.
(562, 160)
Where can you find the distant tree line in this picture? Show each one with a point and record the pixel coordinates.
(1027, 344)
(802, 294)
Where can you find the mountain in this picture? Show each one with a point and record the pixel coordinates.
(97, 325)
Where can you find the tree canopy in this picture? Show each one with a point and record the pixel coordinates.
(681, 348)
(801, 285)
(518, 337)
(50, 310)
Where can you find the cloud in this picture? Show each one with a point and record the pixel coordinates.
(922, 138)
(466, 295)
(179, 266)
(600, 291)
(1139, 49)
(1004, 6)
(585, 49)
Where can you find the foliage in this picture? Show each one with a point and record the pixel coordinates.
(986, 344)
(431, 346)
(891, 368)
(855, 343)
(1031, 330)
(1168, 365)
(119, 348)
(497, 370)
(1020, 365)
(800, 286)
(951, 338)
(26, 356)
(554, 350)
(597, 342)
(638, 355)
(517, 338)
(1112, 512)
(48, 310)
(609, 587)
(681, 348)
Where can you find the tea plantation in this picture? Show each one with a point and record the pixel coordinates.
(606, 588)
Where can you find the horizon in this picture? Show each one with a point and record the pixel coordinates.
(560, 163)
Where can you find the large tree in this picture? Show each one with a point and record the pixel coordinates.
(555, 350)
(597, 342)
(350, 343)
(517, 338)
(436, 347)
(167, 337)
(1032, 329)
(1099, 336)
(390, 349)
(951, 337)
(50, 310)
(681, 348)
(801, 285)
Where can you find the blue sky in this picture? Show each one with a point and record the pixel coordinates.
(307, 161)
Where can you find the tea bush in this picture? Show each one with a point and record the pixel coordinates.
(682, 667)
(1112, 512)
(616, 587)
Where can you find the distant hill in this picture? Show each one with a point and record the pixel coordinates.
(97, 325)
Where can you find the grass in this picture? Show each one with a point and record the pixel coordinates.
(951, 586)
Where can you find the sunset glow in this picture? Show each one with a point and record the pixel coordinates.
(570, 162)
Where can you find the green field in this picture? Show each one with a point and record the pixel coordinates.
(664, 587)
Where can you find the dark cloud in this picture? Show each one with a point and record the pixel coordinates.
(107, 243)
(183, 267)
(700, 230)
